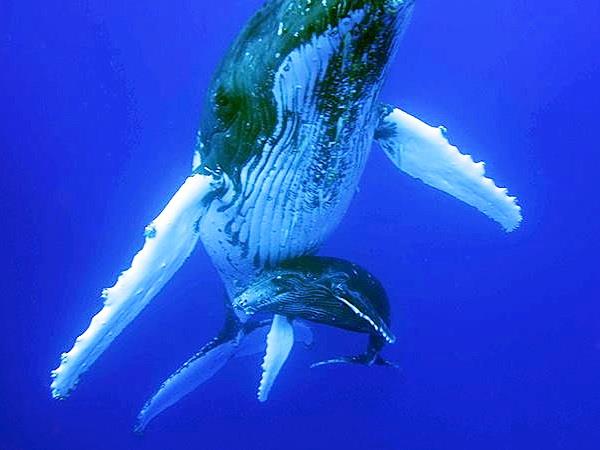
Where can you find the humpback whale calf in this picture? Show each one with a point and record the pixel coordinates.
(288, 123)
(330, 291)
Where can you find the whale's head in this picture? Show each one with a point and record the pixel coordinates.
(337, 51)
(326, 290)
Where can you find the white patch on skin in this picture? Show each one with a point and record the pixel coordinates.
(359, 313)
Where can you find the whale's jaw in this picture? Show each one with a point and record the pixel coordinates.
(289, 122)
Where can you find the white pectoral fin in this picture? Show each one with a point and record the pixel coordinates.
(170, 239)
(423, 152)
(279, 344)
(194, 372)
(256, 341)
(207, 362)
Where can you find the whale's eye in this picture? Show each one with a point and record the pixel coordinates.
(281, 282)
(227, 106)
(286, 282)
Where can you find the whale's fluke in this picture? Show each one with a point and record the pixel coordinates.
(423, 152)
(279, 344)
(170, 239)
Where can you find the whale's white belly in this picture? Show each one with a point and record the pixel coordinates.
(288, 203)
(296, 190)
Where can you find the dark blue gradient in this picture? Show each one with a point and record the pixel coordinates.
(498, 334)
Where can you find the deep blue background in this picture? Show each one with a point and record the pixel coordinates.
(499, 335)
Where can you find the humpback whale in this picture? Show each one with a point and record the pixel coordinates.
(325, 290)
(288, 123)
(235, 340)
(329, 291)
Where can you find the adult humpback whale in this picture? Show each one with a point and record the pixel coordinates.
(289, 120)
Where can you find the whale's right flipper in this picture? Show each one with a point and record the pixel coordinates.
(170, 239)
(279, 345)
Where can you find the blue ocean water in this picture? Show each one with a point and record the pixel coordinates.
(498, 334)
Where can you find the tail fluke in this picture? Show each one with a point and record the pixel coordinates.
(170, 239)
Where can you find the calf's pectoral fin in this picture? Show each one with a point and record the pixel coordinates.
(423, 152)
(195, 371)
(231, 343)
(255, 340)
(170, 239)
(364, 359)
(279, 344)
(371, 357)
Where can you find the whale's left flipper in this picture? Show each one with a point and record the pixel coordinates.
(170, 239)
(279, 344)
(423, 152)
